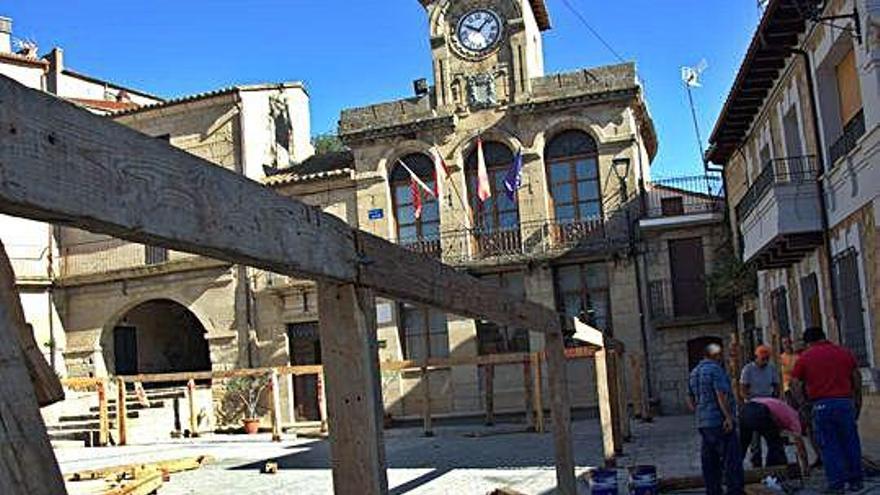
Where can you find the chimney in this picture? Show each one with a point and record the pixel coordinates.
(5, 35)
(56, 66)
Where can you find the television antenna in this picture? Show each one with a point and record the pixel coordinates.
(690, 76)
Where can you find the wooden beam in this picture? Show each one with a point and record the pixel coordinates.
(561, 412)
(426, 375)
(103, 415)
(121, 413)
(46, 384)
(276, 405)
(322, 401)
(527, 395)
(489, 393)
(539, 392)
(606, 419)
(354, 392)
(27, 463)
(191, 402)
(62, 164)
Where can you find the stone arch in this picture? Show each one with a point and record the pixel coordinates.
(386, 166)
(463, 147)
(159, 334)
(566, 123)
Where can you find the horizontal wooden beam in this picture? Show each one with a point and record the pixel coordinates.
(62, 164)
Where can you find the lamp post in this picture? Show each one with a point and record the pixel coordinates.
(621, 168)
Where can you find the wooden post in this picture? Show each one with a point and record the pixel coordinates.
(29, 466)
(426, 376)
(622, 404)
(354, 392)
(193, 414)
(121, 412)
(276, 405)
(290, 378)
(322, 401)
(538, 392)
(606, 419)
(561, 411)
(103, 416)
(489, 389)
(527, 395)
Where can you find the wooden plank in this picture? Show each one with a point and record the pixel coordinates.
(193, 414)
(623, 413)
(121, 413)
(349, 350)
(426, 376)
(45, 382)
(60, 163)
(24, 444)
(144, 484)
(275, 405)
(539, 392)
(606, 419)
(291, 401)
(527, 395)
(561, 412)
(170, 466)
(489, 393)
(322, 402)
(103, 415)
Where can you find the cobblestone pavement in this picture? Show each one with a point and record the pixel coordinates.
(458, 459)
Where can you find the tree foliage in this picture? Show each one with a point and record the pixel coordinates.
(327, 143)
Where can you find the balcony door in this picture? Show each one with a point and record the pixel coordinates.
(496, 220)
(416, 212)
(688, 276)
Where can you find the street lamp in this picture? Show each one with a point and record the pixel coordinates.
(621, 170)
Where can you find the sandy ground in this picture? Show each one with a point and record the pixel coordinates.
(454, 461)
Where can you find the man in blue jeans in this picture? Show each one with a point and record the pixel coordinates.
(710, 396)
(830, 376)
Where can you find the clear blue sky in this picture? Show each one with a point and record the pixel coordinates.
(352, 53)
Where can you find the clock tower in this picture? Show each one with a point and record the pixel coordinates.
(485, 51)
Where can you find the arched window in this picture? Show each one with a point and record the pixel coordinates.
(571, 158)
(496, 220)
(420, 234)
(498, 212)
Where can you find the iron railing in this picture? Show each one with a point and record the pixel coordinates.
(663, 305)
(683, 196)
(852, 131)
(527, 240)
(790, 170)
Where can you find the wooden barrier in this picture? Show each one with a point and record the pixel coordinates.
(103, 415)
(489, 392)
(527, 388)
(275, 405)
(426, 376)
(538, 390)
(193, 414)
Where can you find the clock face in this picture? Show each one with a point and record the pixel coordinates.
(479, 30)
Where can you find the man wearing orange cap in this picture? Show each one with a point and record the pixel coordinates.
(759, 379)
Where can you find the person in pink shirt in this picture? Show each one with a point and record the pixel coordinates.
(771, 418)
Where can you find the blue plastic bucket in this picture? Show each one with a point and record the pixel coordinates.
(603, 482)
(643, 480)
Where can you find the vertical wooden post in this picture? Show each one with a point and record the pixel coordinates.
(322, 401)
(290, 378)
(191, 402)
(561, 413)
(622, 404)
(538, 392)
(426, 376)
(527, 388)
(354, 392)
(489, 390)
(276, 405)
(606, 419)
(103, 415)
(121, 412)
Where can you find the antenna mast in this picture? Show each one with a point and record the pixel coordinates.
(691, 78)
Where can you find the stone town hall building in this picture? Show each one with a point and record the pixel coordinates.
(588, 233)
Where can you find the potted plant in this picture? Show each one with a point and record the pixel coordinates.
(247, 391)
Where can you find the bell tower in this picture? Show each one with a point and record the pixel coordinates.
(485, 52)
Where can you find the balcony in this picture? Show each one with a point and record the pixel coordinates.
(682, 201)
(527, 241)
(780, 215)
(680, 302)
(852, 132)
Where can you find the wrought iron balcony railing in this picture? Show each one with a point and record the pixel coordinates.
(526, 240)
(852, 131)
(683, 196)
(685, 298)
(790, 170)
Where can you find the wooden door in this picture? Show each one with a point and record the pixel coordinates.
(688, 277)
(305, 349)
(125, 350)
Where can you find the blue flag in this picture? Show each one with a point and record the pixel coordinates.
(513, 179)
